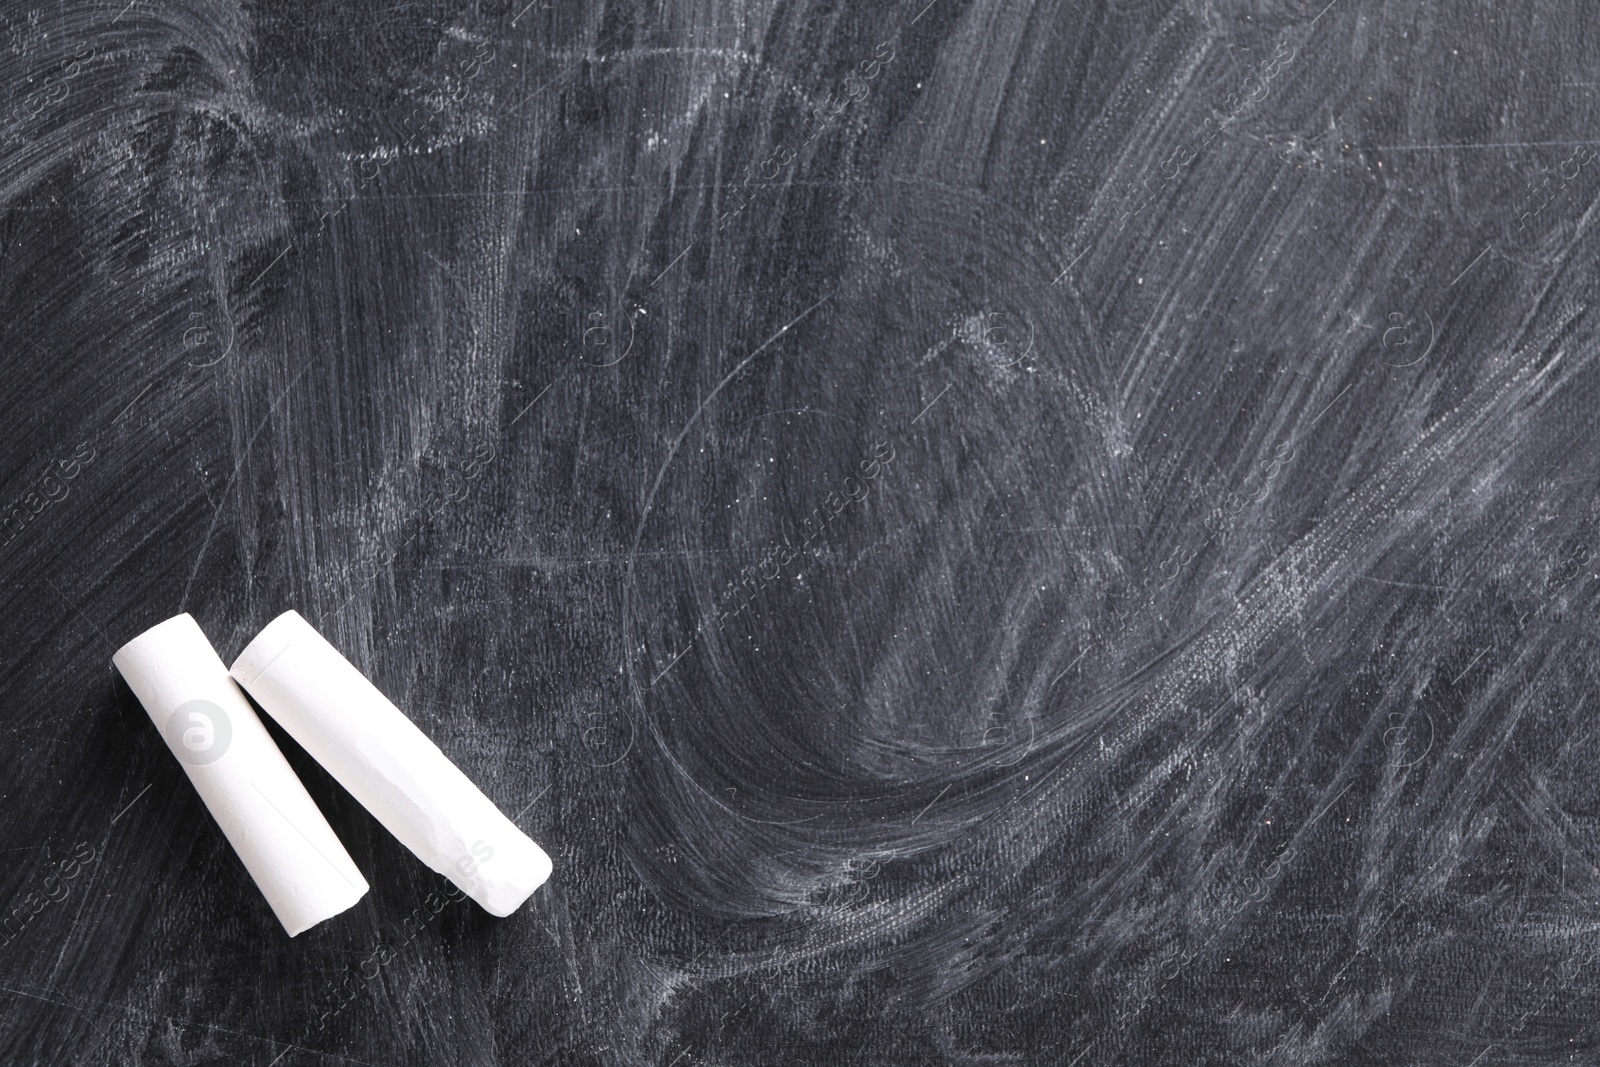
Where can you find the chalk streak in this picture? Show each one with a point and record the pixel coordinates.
(1469, 666)
(132, 402)
(1068, 667)
(1474, 263)
(670, 665)
(932, 402)
(1332, 402)
(531, 803)
(79, 610)
(1069, 266)
(931, 803)
(131, 803)
(274, 263)
(532, 402)
(669, 266)
(216, 513)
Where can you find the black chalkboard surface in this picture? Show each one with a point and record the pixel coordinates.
(972, 532)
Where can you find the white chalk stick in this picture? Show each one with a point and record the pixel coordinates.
(389, 765)
(247, 785)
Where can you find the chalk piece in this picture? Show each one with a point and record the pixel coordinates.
(247, 785)
(388, 764)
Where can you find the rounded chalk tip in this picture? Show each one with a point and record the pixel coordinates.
(179, 628)
(273, 640)
(508, 892)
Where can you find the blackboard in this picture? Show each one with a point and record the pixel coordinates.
(973, 532)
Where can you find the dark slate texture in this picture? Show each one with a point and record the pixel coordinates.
(974, 532)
